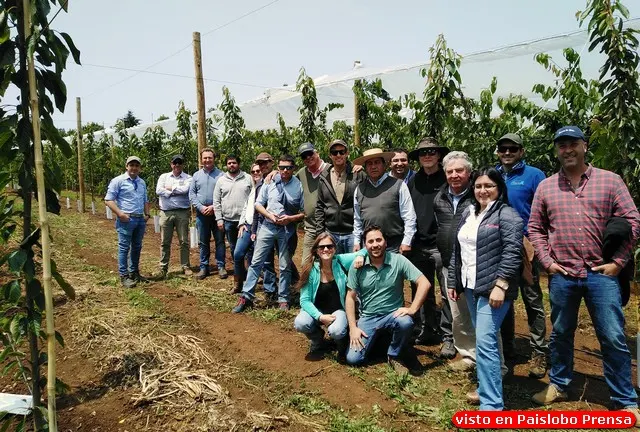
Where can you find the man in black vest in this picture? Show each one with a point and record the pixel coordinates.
(435, 314)
(383, 201)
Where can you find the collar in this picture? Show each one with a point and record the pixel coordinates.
(380, 180)
(587, 174)
(387, 259)
(517, 167)
(316, 173)
(171, 174)
(450, 192)
(130, 178)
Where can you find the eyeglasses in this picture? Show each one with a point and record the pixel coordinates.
(327, 247)
(306, 155)
(338, 152)
(256, 172)
(262, 162)
(428, 152)
(510, 149)
(485, 186)
(286, 167)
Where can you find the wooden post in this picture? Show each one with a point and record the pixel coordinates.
(80, 170)
(197, 59)
(44, 226)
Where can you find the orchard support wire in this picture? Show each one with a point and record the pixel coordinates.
(44, 226)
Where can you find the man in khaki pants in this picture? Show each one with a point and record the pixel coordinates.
(173, 193)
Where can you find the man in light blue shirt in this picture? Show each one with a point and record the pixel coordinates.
(127, 198)
(173, 192)
(201, 189)
(281, 202)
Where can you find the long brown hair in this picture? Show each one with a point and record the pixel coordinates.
(308, 265)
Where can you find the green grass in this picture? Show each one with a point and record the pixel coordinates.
(339, 422)
(138, 298)
(308, 405)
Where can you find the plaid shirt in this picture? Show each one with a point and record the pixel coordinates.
(567, 226)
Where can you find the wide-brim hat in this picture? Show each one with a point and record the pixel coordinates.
(428, 144)
(373, 154)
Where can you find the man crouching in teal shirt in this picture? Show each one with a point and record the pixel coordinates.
(379, 284)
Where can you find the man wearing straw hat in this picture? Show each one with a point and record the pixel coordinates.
(383, 201)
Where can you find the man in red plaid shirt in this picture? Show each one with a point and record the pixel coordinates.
(569, 214)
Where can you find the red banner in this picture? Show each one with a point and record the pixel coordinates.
(543, 419)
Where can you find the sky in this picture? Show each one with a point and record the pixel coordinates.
(255, 44)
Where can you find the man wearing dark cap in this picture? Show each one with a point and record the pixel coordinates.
(173, 193)
(334, 209)
(309, 176)
(569, 215)
(127, 198)
(522, 180)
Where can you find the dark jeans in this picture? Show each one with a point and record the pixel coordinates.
(231, 232)
(206, 226)
(536, 318)
(602, 296)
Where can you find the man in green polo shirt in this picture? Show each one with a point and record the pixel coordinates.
(379, 284)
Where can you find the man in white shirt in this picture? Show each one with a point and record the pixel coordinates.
(173, 193)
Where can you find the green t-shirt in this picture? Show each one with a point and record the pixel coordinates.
(381, 291)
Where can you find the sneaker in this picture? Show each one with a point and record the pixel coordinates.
(461, 366)
(161, 275)
(222, 272)
(242, 305)
(283, 306)
(427, 338)
(397, 367)
(549, 395)
(203, 273)
(127, 282)
(187, 271)
(633, 410)
(136, 277)
(473, 398)
(448, 350)
(271, 299)
(538, 366)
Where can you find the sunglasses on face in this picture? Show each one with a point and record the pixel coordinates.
(327, 247)
(338, 152)
(428, 152)
(510, 149)
(285, 167)
(306, 155)
(256, 172)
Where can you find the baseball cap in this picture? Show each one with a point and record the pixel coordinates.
(569, 131)
(176, 158)
(133, 159)
(305, 147)
(514, 138)
(338, 142)
(264, 156)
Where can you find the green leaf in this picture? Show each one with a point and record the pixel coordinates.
(53, 82)
(5, 353)
(8, 367)
(75, 52)
(66, 286)
(12, 291)
(17, 259)
(7, 54)
(34, 289)
(53, 135)
(60, 339)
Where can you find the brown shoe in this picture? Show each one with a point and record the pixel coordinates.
(633, 410)
(222, 273)
(549, 395)
(397, 367)
(187, 271)
(203, 273)
(473, 398)
(237, 285)
(462, 365)
(538, 366)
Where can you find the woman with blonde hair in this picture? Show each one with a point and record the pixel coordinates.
(323, 288)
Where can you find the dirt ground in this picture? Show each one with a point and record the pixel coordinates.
(169, 355)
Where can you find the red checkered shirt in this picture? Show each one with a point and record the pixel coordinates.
(567, 226)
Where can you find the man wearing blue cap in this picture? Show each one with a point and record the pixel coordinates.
(569, 215)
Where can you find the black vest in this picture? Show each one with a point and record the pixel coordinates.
(381, 206)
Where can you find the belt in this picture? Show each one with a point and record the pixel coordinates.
(136, 215)
(175, 209)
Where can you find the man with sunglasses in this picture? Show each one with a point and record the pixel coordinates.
(173, 193)
(309, 176)
(281, 202)
(400, 168)
(127, 198)
(522, 181)
(334, 209)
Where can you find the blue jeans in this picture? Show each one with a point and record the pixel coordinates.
(602, 296)
(206, 226)
(268, 236)
(244, 250)
(130, 235)
(312, 328)
(401, 328)
(344, 242)
(231, 231)
(487, 321)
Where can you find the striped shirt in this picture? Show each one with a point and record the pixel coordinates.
(567, 226)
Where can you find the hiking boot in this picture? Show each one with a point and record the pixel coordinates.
(473, 398)
(633, 410)
(242, 305)
(448, 350)
(271, 299)
(550, 394)
(538, 366)
(427, 338)
(222, 273)
(136, 277)
(187, 271)
(127, 282)
(397, 367)
(237, 285)
(161, 275)
(283, 306)
(460, 366)
(203, 273)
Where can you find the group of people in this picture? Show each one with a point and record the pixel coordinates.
(373, 223)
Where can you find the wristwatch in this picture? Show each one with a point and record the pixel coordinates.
(502, 284)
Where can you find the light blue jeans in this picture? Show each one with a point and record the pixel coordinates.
(401, 328)
(344, 242)
(487, 322)
(268, 235)
(130, 235)
(312, 328)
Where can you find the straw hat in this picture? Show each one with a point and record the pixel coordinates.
(373, 154)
